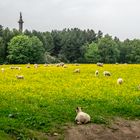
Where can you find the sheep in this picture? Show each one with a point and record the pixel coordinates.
(119, 81)
(82, 117)
(65, 66)
(19, 76)
(18, 68)
(96, 73)
(2, 69)
(60, 64)
(100, 64)
(28, 65)
(77, 71)
(46, 65)
(35, 65)
(12, 67)
(106, 73)
(77, 64)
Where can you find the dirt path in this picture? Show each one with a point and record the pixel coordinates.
(119, 130)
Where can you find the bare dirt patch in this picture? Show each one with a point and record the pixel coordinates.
(120, 129)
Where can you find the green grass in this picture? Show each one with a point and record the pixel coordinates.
(45, 100)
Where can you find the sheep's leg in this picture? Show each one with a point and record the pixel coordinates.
(78, 123)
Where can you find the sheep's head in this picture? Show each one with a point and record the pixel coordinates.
(78, 109)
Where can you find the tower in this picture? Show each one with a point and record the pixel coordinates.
(20, 23)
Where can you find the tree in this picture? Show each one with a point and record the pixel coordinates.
(23, 49)
(108, 50)
(92, 53)
(2, 50)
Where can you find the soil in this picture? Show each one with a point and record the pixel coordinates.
(120, 129)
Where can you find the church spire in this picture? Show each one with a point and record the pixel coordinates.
(20, 23)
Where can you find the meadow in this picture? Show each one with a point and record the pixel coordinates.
(45, 100)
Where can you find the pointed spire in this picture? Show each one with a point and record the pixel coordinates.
(20, 22)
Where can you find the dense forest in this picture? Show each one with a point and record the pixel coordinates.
(69, 45)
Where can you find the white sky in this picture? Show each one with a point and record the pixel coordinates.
(119, 18)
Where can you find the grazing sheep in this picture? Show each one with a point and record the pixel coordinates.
(35, 65)
(106, 73)
(96, 73)
(2, 69)
(46, 65)
(65, 66)
(82, 117)
(77, 64)
(60, 64)
(77, 71)
(57, 65)
(28, 65)
(16, 68)
(100, 64)
(20, 77)
(119, 81)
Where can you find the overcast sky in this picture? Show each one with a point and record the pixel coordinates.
(119, 18)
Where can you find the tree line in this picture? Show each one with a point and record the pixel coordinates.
(68, 45)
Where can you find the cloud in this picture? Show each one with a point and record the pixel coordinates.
(117, 17)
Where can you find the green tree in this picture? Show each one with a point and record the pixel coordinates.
(2, 50)
(23, 49)
(108, 50)
(92, 53)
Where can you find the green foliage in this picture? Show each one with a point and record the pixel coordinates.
(50, 59)
(71, 45)
(108, 50)
(92, 53)
(23, 49)
(2, 50)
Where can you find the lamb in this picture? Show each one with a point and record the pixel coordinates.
(119, 81)
(96, 73)
(77, 71)
(82, 117)
(106, 73)
(100, 64)
(20, 77)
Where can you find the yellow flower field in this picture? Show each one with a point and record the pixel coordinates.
(47, 96)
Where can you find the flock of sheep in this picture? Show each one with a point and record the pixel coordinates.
(81, 117)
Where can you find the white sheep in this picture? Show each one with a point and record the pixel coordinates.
(119, 81)
(96, 73)
(100, 64)
(19, 76)
(46, 65)
(77, 71)
(106, 73)
(35, 65)
(82, 117)
(65, 66)
(2, 69)
(77, 64)
(28, 65)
